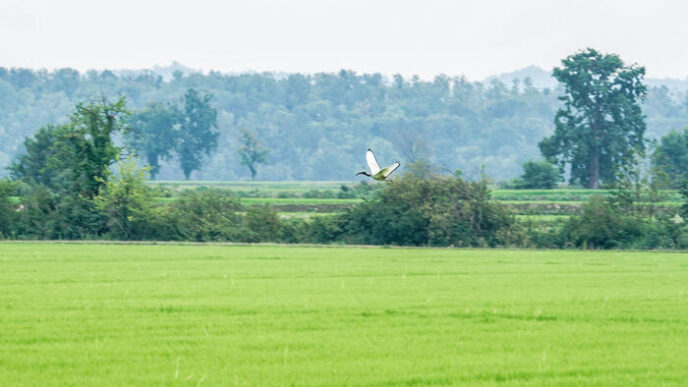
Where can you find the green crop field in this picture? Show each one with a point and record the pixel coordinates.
(248, 184)
(543, 218)
(299, 187)
(564, 195)
(298, 201)
(272, 187)
(105, 314)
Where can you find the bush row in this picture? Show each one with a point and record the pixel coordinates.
(412, 210)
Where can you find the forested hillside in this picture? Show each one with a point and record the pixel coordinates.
(317, 127)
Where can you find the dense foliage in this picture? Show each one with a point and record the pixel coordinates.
(308, 122)
(434, 210)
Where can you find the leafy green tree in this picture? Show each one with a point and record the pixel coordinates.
(601, 124)
(87, 149)
(71, 161)
(538, 175)
(252, 152)
(670, 158)
(37, 165)
(196, 134)
(153, 133)
(74, 157)
(127, 202)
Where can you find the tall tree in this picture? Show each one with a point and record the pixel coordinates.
(154, 132)
(196, 135)
(88, 148)
(601, 125)
(252, 152)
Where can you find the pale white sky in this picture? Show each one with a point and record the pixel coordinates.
(424, 37)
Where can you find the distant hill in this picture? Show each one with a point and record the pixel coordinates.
(542, 79)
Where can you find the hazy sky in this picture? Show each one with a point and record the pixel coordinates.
(424, 37)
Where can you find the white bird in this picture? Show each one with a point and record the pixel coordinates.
(376, 172)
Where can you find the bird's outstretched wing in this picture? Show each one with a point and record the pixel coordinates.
(388, 170)
(372, 163)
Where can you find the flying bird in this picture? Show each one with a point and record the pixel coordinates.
(375, 171)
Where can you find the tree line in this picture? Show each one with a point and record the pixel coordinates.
(297, 123)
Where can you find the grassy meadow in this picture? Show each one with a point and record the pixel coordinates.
(115, 314)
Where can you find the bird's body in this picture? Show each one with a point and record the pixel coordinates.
(376, 172)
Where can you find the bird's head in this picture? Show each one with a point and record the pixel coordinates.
(363, 173)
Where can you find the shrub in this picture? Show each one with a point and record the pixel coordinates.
(322, 229)
(43, 214)
(602, 225)
(128, 203)
(36, 218)
(538, 175)
(428, 210)
(204, 216)
(263, 222)
(294, 231)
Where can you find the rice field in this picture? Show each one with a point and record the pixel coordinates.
(116, 314)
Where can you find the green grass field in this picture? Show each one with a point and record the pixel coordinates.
(298, 201)
(99, 314)
(564, 195)
(272, 187)
(299, 187)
